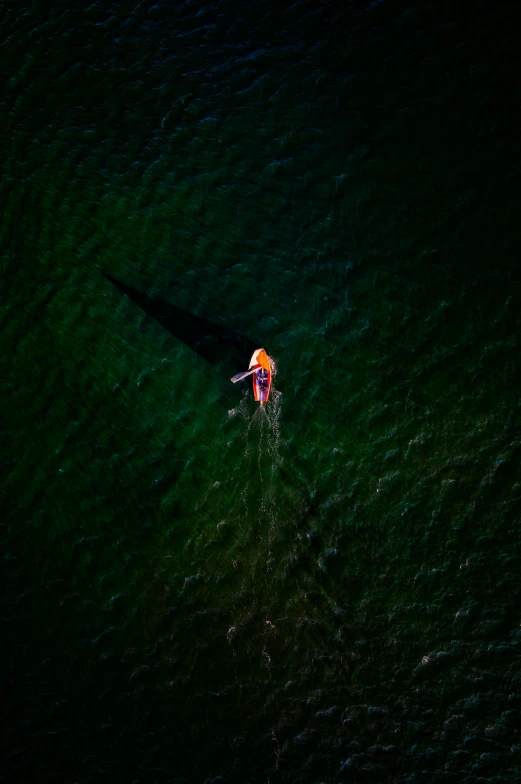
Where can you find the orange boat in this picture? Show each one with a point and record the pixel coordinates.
(260, 368)
(262, 375)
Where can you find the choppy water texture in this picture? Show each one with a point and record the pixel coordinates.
(194, 589)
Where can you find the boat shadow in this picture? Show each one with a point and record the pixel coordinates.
(211, 341)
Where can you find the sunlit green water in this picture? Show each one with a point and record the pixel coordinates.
(326, 589)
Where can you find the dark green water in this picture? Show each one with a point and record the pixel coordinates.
(195, 589)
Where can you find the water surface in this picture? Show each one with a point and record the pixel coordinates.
(195, 588)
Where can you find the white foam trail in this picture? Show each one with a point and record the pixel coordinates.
(261, 455)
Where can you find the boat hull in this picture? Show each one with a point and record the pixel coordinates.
(262, 376)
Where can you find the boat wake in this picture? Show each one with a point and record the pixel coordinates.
(261, 455)
(259, 523)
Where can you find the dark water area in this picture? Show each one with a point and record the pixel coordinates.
(196, 589)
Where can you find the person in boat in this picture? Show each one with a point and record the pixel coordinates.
(262, 375)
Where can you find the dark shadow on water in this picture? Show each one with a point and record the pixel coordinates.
(211, 341)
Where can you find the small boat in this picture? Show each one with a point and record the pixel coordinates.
(260, 369)
(262, 375)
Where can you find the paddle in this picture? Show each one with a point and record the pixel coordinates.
(240, 376)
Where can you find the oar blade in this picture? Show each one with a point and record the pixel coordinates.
(240, 376)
